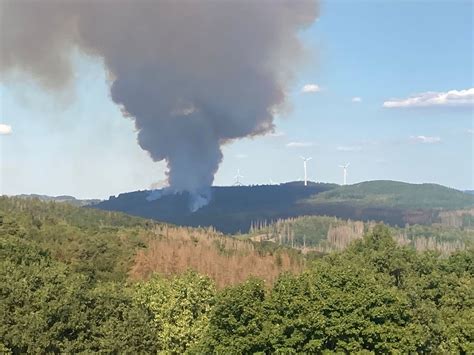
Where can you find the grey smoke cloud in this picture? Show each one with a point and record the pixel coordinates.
(192, 75)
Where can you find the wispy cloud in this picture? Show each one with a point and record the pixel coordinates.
(356, 99)
(349, 148)
(310, 88)
(452, 98)
(5, 129)
(470, 131)
(425, 139)
(299, 144)
(276, 134)
(241, 156)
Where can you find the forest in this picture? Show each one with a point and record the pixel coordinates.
(82, 280)
(324, 234)
(232, 209)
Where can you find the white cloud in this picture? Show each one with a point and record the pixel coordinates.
(310, 88)
(470, 131)
(452, 98)
(356, 99)
(425, 139)
(241, 156)
(343, 148)
(5, 129)
(299, 144)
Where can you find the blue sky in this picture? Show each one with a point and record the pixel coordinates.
(382, 53)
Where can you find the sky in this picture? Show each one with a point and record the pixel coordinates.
(387, 87)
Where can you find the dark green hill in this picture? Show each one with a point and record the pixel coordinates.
(397, 194)
(231, 209)
(234, 209)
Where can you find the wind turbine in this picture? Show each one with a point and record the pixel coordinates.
(237, 178)
(344, 167)
(305, 160)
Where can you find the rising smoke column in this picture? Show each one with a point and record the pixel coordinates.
(192, 75)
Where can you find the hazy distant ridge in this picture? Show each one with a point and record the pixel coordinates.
(62, 198)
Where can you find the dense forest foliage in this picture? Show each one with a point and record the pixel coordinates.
(69, 284)
(108, 246)
(233, 209)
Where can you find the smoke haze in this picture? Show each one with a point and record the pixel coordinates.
(192, 75)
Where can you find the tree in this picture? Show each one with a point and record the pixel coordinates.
(236, 321)
(45, 307)
(180, 308)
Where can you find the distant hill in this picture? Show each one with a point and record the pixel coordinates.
(231, 209)
(234, 209)
(397, 194)
(63, 198)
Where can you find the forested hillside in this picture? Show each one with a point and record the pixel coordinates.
(454, 231)
(114, 246)
(397, 194)
(77, 280)
(233, 209)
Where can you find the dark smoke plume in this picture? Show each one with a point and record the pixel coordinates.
(192, 75)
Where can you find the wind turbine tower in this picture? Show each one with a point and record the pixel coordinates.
(305, 161)
(344, 167)
(237, 178)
